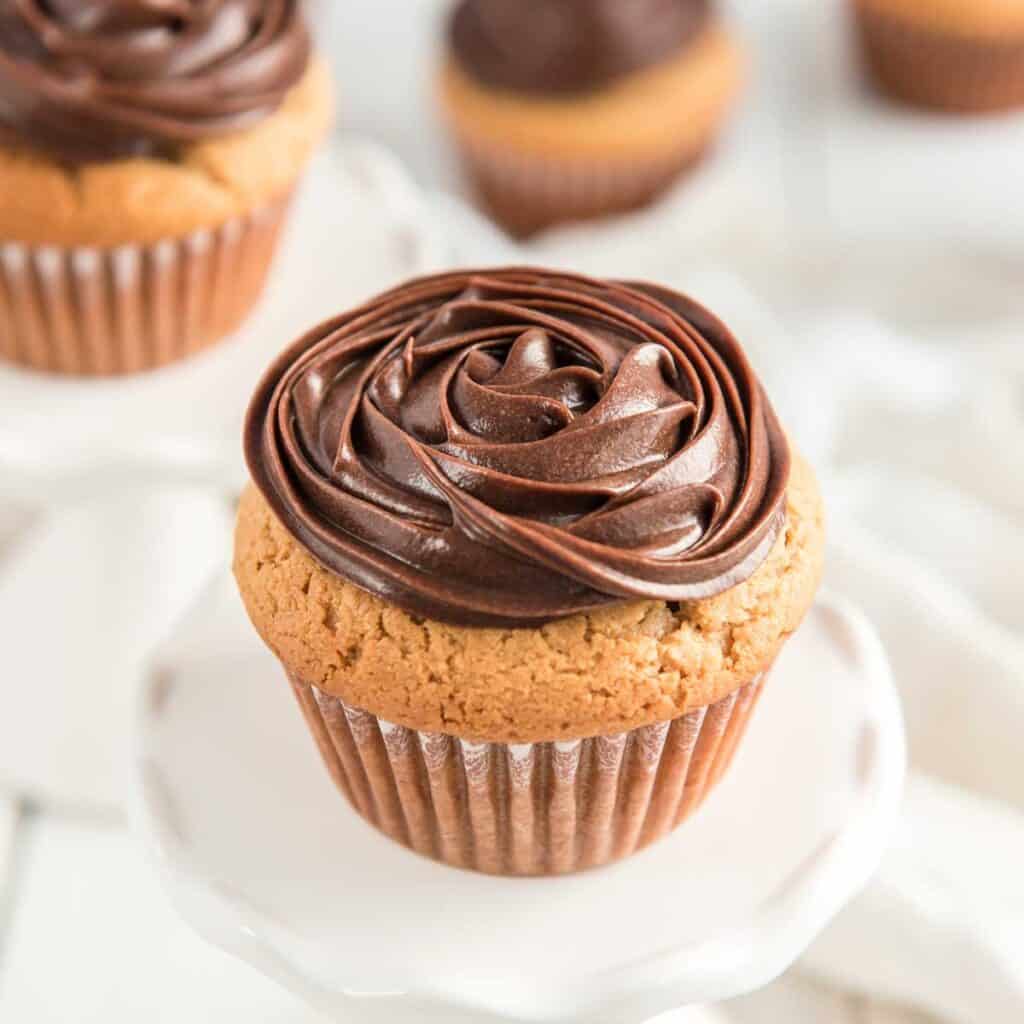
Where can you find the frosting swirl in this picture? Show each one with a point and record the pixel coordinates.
(506, 447)
(569, 46)
(102, 79)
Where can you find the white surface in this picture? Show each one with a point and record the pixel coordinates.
(14, 520)
(362, 926)
(960, 673)
(92, 940)
(8, 825)
(948, 897)
(931, 176)
(953, 927)
(74, 641)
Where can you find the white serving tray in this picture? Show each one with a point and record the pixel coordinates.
(265, 859)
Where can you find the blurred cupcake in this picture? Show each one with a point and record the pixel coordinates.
(947, 55)
(148, 151)
(526, 545)
(572, 109)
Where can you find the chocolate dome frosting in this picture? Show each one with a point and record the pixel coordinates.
(101, 79)
(506, 447)
(569, 46)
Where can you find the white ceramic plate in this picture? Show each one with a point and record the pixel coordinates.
(264, 857)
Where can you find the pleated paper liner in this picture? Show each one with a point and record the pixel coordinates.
(526, 193)
(533, 808)
(940, 71)
(106, 311)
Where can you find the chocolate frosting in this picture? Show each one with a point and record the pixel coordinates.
(101, 79)
(506, 447)
(569, 46)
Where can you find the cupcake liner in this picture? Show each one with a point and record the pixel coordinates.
(526, 193)
(92, 311)
(526, 808)
(937, 70)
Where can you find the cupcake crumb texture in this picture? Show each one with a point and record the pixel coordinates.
(146, 199)
(591, 674)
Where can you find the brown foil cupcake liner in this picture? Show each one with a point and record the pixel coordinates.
(106, 311)
(940, 71)
(529, 808)
(526, 193)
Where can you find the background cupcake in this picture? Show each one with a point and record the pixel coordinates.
(147, 155)
(946, 54)
(527, 545)
(572, 109)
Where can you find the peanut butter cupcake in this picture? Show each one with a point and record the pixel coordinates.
(572, 109)
(526, 545)
(148, 150)
(946, 55)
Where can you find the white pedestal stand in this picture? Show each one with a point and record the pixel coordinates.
(266, 860)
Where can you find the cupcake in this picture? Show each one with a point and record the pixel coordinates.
(148, 151)
(526, 546)
(567, 110)
(945, 55)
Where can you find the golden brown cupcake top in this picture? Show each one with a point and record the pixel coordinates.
(656, 113)
(986, 19)
(597, 673)
(145, 199)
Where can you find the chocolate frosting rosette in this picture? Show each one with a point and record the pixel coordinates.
(570, 46)
(511, 447)
(98, 79)
(527, 544)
